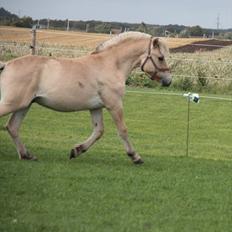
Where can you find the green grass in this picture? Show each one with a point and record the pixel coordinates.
(102, 190)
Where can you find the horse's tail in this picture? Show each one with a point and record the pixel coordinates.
(2, 66)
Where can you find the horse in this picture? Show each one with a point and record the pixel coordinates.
(91, 82)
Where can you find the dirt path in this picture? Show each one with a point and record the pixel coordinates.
(207, 45)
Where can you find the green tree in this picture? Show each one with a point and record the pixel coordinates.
(24, 22)
(102, 28)
(185, 33)
(196, 31)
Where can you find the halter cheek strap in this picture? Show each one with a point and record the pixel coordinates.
(149, 57)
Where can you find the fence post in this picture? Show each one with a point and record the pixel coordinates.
(187, 136)
(33, 45)
(194, 97)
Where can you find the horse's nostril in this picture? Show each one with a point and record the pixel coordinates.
(166, 83)
(161, 58)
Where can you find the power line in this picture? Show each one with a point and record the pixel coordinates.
(218, 22)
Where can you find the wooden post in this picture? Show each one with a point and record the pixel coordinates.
(33, 45)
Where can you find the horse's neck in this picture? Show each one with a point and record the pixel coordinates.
(128, 55)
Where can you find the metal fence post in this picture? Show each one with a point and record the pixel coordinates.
(187, 137)
(194, 97)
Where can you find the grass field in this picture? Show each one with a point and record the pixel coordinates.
(102, 190)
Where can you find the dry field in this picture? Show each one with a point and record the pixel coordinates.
(69, 38)
(64, 38)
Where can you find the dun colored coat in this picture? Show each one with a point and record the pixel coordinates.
(91, 82)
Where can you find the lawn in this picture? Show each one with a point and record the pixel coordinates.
(102, 190)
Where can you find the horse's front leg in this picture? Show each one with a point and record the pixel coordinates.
(117, 115)
(98, 129)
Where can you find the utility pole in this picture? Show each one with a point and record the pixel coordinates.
(67, 25)
(48, 23)
(38, 23)
(212, 34)
(218, 22)
(87, 27)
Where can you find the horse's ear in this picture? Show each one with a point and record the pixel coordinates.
(156, 42)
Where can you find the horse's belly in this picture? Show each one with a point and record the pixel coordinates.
(71, 104)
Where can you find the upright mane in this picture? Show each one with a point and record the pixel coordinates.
(118, 39)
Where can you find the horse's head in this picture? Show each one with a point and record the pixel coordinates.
(154, 63)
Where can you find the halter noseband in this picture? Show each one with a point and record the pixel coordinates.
(149, 57)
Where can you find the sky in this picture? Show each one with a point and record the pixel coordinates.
(163, 12)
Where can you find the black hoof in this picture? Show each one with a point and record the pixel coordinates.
(139, 161)
(28, 156)
(76, 151)
(72, 154)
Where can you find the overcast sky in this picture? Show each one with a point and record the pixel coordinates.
(186, 12)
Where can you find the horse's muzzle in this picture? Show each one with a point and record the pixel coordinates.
(166, 82)
(164, 78)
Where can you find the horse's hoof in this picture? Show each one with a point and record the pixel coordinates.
(72, 154)
(28, 156)
(75, 152)
(139, 161)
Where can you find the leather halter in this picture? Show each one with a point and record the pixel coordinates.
(149, 57)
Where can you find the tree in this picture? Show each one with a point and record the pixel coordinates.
(102, 28)
(185, 33)
(6, 18)
(228, 35)
(24, 22)
(196, 31)
(144, 27)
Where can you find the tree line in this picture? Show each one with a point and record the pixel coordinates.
(9, 19)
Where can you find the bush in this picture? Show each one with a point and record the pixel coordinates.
(186, 83)
(140, 80)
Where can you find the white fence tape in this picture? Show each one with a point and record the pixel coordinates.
(179, 95)
(194, 77)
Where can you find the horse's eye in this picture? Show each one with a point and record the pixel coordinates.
(161, 58)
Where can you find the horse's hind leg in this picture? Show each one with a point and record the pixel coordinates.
(13, 126)
(98, 129)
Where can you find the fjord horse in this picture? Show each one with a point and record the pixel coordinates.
(91, 82)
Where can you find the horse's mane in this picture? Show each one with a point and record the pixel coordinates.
(118, 39)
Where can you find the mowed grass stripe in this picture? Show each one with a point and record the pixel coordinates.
(102, 190)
